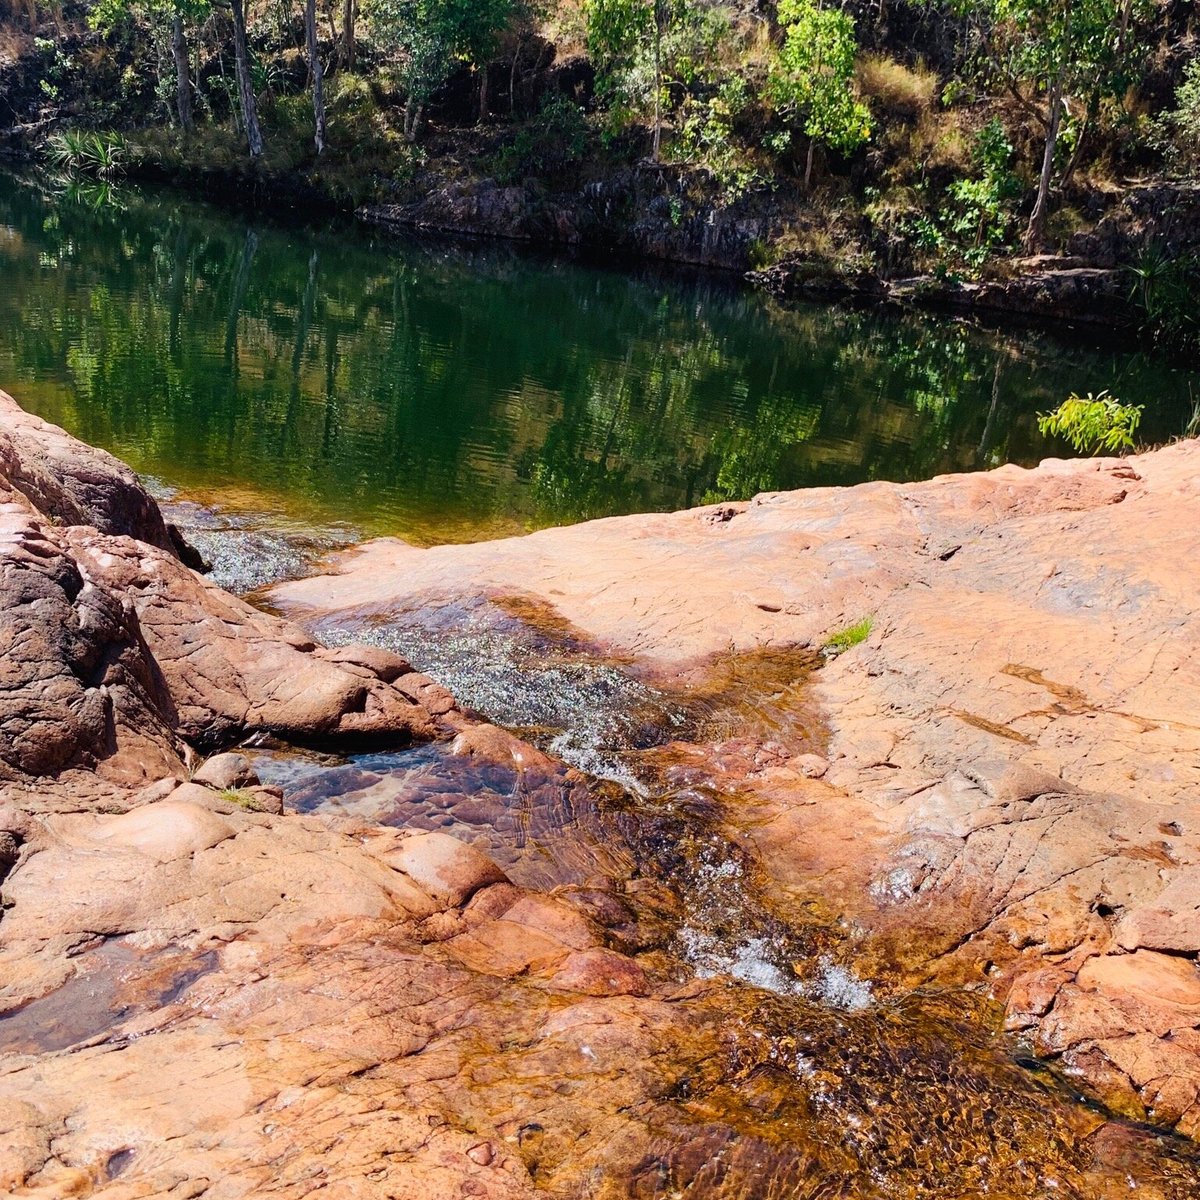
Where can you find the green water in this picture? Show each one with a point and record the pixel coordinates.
(445, 393)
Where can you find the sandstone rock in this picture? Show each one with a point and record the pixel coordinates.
(376, 663)
(165, 831)
(226, 771)
(1012, 764)
(75, 484)
(366, 1012)
(499, 746)
(601, 973)
(118, 659)
(449, 870)
(77, 677)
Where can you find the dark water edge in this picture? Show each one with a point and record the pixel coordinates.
(345, 380)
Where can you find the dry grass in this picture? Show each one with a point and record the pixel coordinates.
(14, 43)
(893, 88)
(942, 140)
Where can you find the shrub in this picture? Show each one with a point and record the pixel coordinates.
(976, 215)
(1177, 133)
(555, 140)
(706, 138)
(1093, 423)
(101, 154)
(1164, 290)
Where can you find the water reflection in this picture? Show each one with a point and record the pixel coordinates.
(446, 394)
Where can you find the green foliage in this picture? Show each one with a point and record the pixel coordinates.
(1080, 51)
(624, 39)
(1087, 44)
(54, 67)
(976, 216)
(652, 56)
(102, 154)
(1093, 423)
(356, 125)
(554, 141)
(844, 639)
(1177, 132)
(107, 15)
(430, 36)
(706, 137)
(1165, 288)
(812, 82)
(619, 32)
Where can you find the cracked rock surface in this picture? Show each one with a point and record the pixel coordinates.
(1009, 793)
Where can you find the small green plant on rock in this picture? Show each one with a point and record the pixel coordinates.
(844, 639)
(240, 798)
(1093, 423)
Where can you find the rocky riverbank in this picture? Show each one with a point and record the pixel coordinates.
(211, 990)
(670, 214)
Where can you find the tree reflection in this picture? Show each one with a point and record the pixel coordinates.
(437, 393)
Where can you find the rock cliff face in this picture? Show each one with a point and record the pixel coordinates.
(1010, 791)
(203, 995)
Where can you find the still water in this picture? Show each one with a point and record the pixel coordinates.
(341, 378)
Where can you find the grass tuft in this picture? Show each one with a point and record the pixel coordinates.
(242, 799)
(852, 635)
(895, 88)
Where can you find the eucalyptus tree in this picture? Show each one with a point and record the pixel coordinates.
(316, 73)
(619, 33)
(812, 80)
(245, 82)
(431, 36)
(1059, 59)
(167, 21)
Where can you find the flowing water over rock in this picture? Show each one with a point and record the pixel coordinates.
(248, 550)
(820, 1083)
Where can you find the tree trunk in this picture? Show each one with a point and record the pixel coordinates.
(346, 53)
(412, 120)
(483, 92)
(245, 86)
(512, 76)
(808, 164)
(1077, 154)
(183, 79)
(314, 67)
(657, 86)
(1035, 235)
